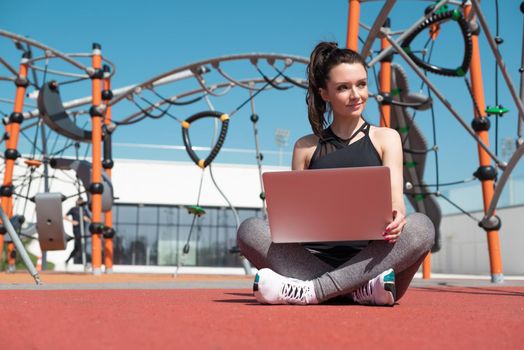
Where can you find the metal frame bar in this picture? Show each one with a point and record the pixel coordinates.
(498, 57)
(19, 246)
(408, 32)
(502, 181)
(441, 97)
(375, 29)
(43, 47)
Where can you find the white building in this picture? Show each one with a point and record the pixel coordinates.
(153, 223)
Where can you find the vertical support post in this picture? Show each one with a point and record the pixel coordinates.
(11, 153)
(45, 159)
(107, 163)
(353, 25)
(385, 78)
(497, 275)
(96, 188)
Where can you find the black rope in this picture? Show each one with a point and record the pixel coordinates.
(253, 96)
(65, 148)
(445, 184)
(382, 117)
(166, 111)
(290, 80)
(418, 151)
(405, 139)
(132, 121)
(75, 194)
(30, 141)
(458, 207)
(45, 71)
(475, 104)
(433, 124)
(270, 81)
(175, 103)
(497, 79)
(148, 114)
(72, 81)
(36, 140)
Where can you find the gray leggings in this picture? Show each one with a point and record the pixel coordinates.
(294, 260)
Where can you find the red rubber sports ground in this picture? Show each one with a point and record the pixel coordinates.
(77, 311)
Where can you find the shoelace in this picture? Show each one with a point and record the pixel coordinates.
(291, 291)
(364, 293)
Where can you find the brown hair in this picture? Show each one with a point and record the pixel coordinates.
(324, 57)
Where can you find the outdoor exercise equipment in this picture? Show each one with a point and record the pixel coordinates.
(49, 221)
(415, 149)
(84, 171)
(466, 14)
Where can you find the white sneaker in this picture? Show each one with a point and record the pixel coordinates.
(271, 288)
(378, 291)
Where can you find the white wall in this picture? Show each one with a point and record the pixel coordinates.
(464, 244)
(465, 248)
(153, 182)
(160, 182)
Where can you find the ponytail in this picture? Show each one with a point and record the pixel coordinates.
(324, 57)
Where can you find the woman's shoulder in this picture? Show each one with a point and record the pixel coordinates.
(307, 141)
(383, 133)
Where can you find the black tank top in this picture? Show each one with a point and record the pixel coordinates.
(334, 152)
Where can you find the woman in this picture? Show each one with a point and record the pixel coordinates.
(377, 272)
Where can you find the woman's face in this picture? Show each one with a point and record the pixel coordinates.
(346, 90)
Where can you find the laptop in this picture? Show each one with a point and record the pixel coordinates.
(328, 205)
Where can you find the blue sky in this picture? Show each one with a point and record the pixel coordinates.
(145, 39)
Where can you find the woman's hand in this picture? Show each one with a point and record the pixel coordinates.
(394, 229)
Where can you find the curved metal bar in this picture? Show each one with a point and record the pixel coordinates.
(375, 29)
(446, 103)
(186, 94)
(209, 91)
(404, 35)
(229, 78)
(43, 47)
(8, 66)
(6, 100)
(84, 55)
(518, 102)
(174, 102)
(502, 182)
(61, 73)
(195, 66)
(272, 82)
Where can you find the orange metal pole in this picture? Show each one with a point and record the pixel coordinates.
(96, 187)
(353, 25)
(11, 153)
(385, 86)
(484, 159)
(108, 165)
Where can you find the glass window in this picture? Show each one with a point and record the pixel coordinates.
(168, 215)
(184, 217)
(146, 245)
(148, 214)
(122, 244)
(156, 235)
(167, 245)
(127, 214)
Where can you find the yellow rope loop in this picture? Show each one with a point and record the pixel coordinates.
(201, 163)
(224, 117)
(185, 125)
